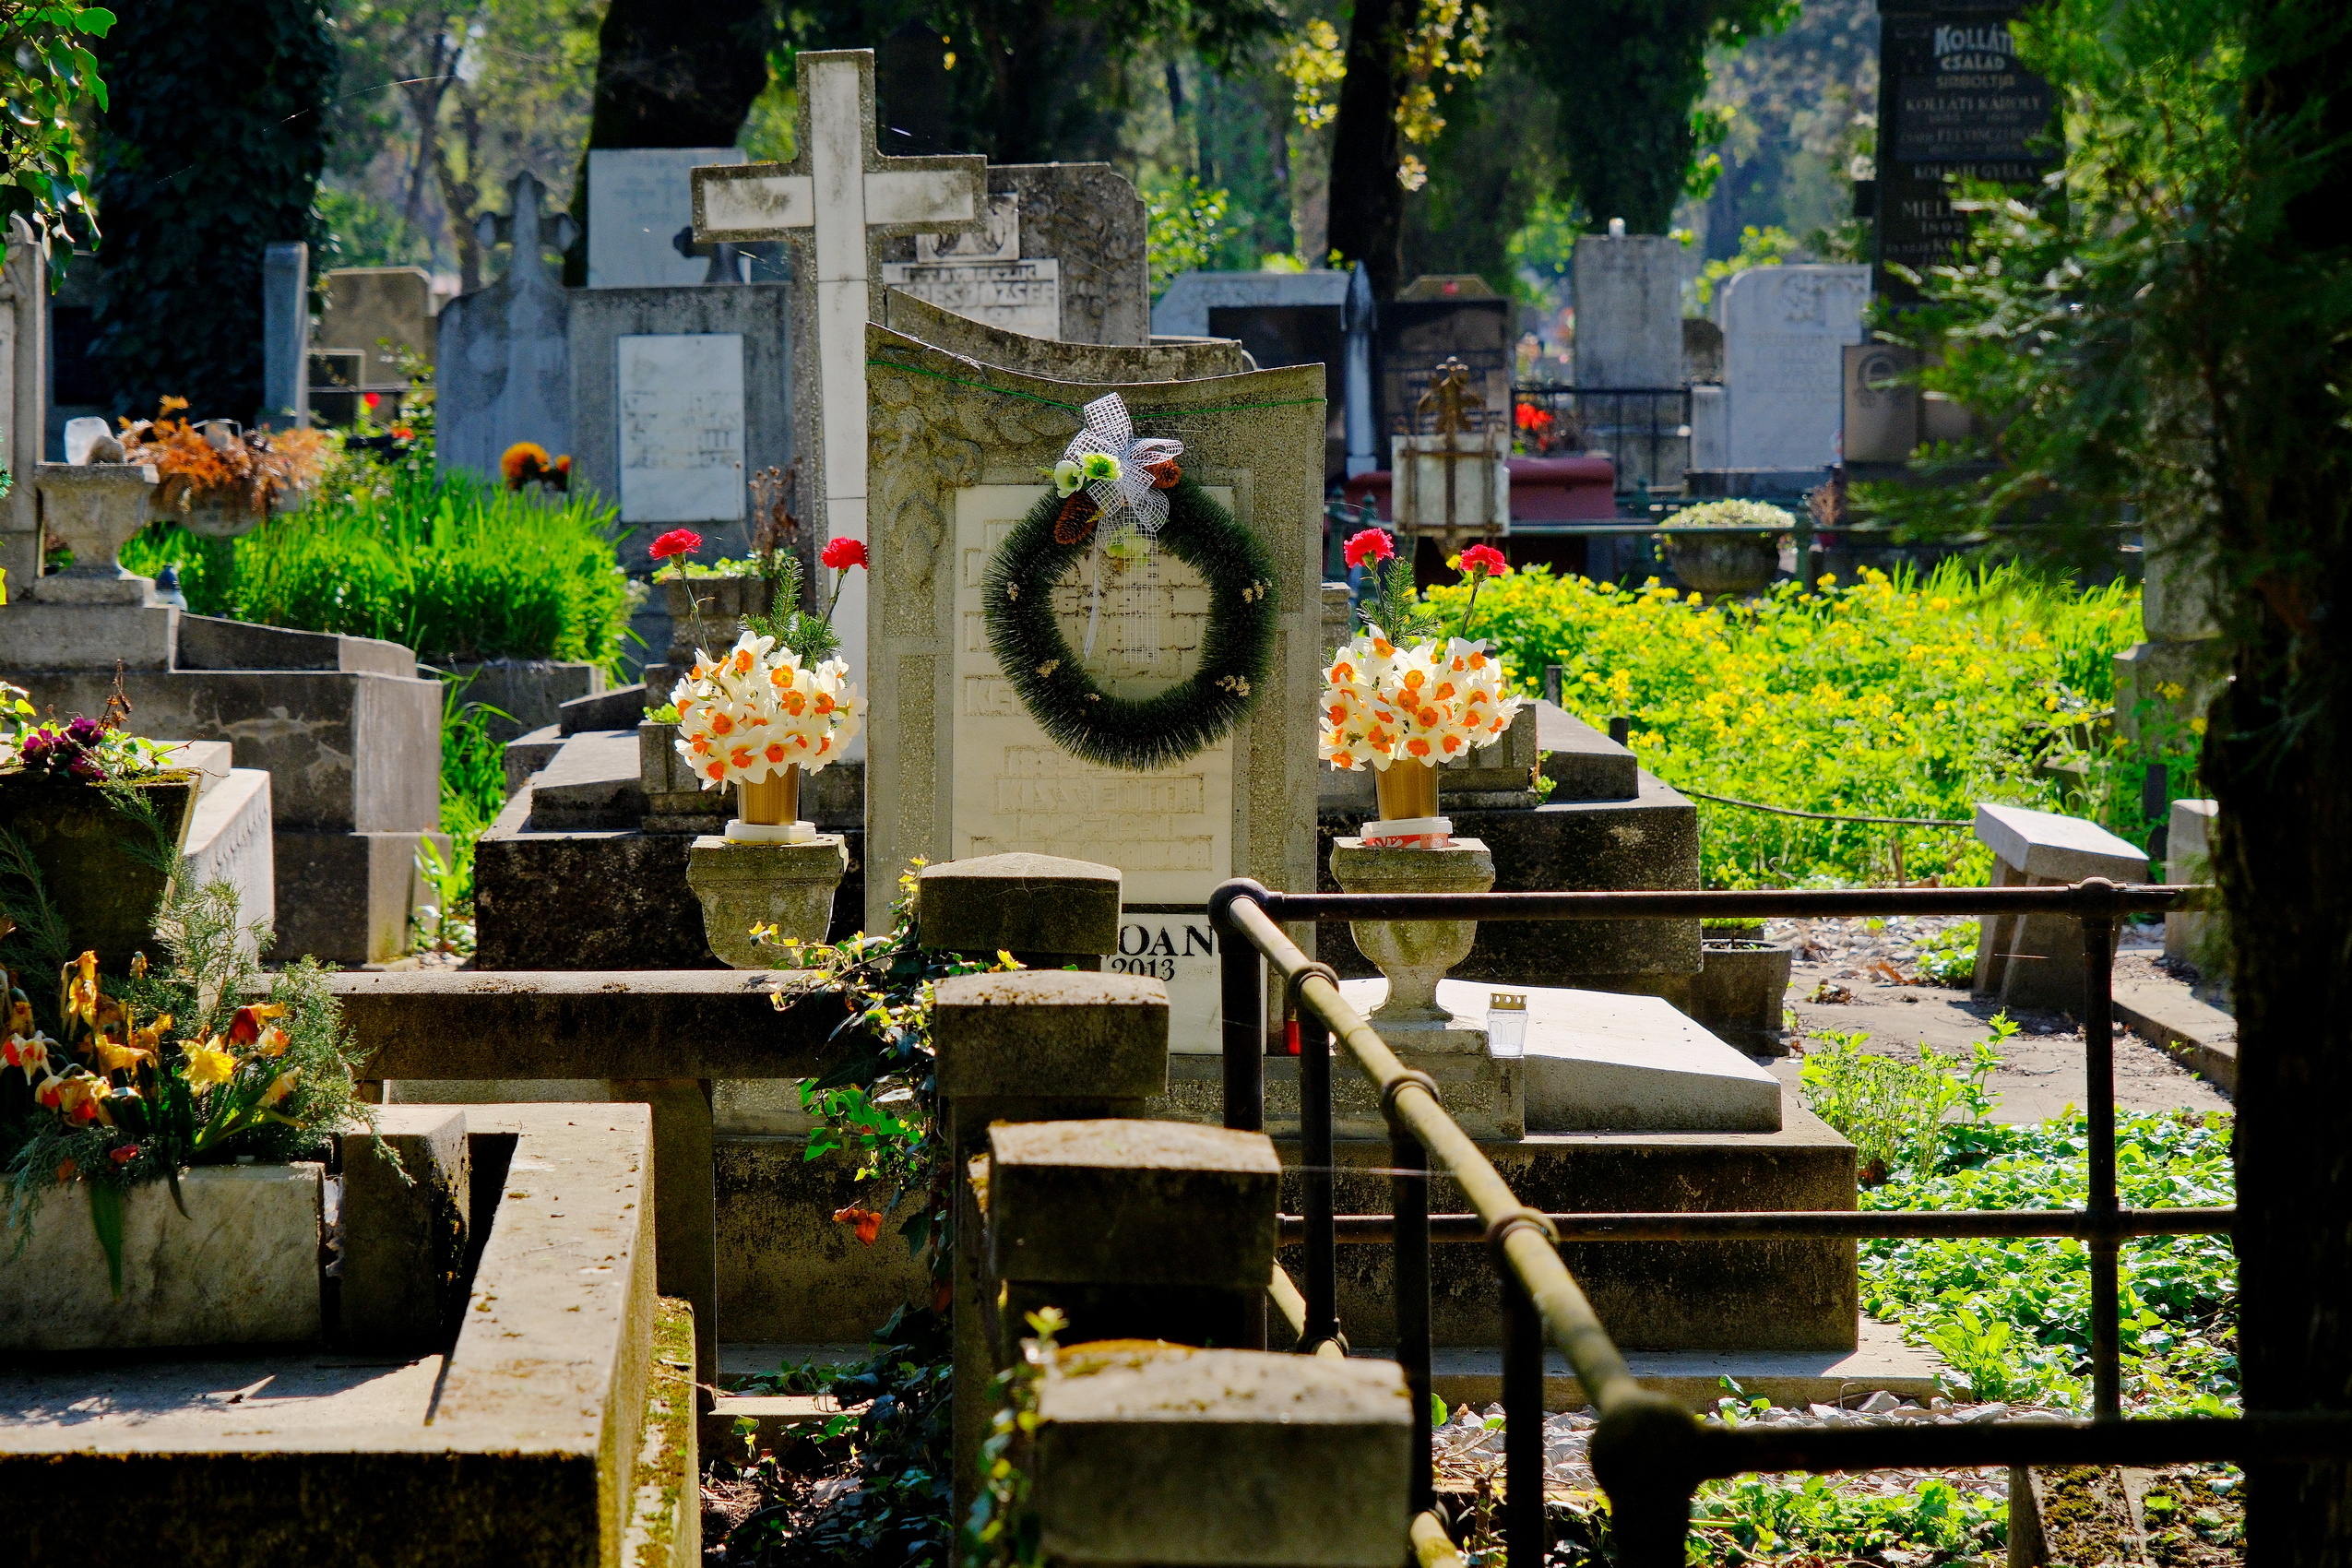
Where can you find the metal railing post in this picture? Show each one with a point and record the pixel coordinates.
(1408, 1189)
(2106, 1241)
(1524, 1534)
(1241, 970)
(1314, 1157)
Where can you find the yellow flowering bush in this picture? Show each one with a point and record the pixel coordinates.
(1876, 698)
(1428, 703)
(758, 710)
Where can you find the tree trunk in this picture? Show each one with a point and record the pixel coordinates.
(1367, 204)
(2279, 756)
(671, 75)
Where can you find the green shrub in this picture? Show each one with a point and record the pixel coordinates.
(1949, 956)
(1898, 1112)
(454, 568)
(1886, 698)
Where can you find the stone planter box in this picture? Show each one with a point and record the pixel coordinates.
(76, 835)
(722, 601)
(1738, 991)
(241, 1268)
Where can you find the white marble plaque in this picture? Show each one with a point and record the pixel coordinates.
(639, 197)
(681, 427)
(1169, 832)
(1016, 296)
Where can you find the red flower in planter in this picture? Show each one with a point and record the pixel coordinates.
(677, 541)
(843, 553)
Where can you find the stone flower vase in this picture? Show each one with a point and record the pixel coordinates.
(1734, 561)
(785, 876)
(1414, 954)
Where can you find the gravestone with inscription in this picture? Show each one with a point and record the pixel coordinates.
(1062, 255)
(678, 397)
(957, 766)
(1785, 330)
(1954, 104)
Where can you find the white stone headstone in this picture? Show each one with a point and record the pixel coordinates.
(1785, 330)
(680, 398)
(640, 198)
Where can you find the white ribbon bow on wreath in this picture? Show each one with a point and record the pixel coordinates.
(1114, 469)
(1126, 479)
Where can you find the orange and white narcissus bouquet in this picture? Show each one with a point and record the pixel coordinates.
(1428, 703)
(758, 709)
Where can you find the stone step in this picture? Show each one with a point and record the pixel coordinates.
(1694, 1378)
(1463, 1375)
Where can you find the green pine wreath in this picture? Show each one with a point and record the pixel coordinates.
(1237, 645)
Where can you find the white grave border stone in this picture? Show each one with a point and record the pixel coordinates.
(941, 425)
(834, 204)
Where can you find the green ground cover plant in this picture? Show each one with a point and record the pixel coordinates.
(455, 568)
(1904, 697)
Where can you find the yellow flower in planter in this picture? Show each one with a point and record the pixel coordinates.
(281, 1086)
(208, 1065)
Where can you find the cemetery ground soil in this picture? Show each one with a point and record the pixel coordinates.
(2042, 1070)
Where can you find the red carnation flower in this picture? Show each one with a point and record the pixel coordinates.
(842, 553)
(1372, 544)
(1484, 560)
(677, 541)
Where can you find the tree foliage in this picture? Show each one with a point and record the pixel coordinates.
(47, 71)
(209, 150)
(1625, 80)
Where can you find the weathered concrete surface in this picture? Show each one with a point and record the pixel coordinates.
(403, 1227)
(1050, 1033)
(241, 1267)
(1462, 1375)
(1221, 1456)
(229, 841)
(788, 1271)
(1650, 1295)
(1021, 904)
(533, 1453)
(345, 896)
(526, 692)
(703, 1024)
(1129, 1202)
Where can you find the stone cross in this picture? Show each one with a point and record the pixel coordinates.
(836, 202)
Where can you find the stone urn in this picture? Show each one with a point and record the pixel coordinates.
(769, 868)
(217, 515)
(1414, 954)
(790, 886)
(1733, 562)
(94, 509)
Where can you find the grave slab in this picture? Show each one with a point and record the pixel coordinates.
(1600, 1061)
(1462, 1375)
(2036, 961)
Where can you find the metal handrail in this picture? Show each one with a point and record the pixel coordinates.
(1647, 1452)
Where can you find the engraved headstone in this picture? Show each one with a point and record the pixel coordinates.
(984, 276)
(957, 766)
(640, 200)
(1785, 330)
(1954, 104)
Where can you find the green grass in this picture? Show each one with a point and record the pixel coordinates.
(454, 568)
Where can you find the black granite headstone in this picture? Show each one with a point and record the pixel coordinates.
(1954, 104)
